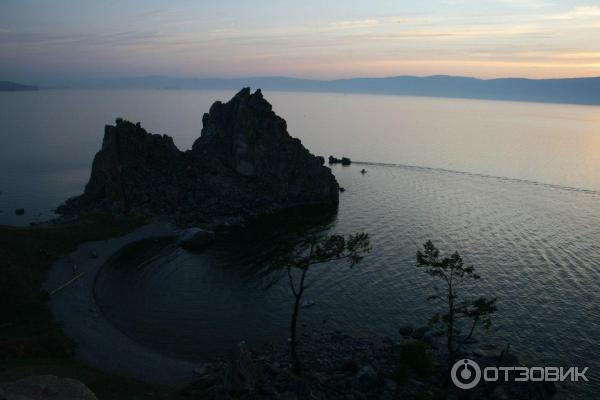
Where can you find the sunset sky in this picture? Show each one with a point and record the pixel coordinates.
(41, 41)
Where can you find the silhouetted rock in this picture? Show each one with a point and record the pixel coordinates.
(196, 239)
(343, 160)
(245, 164)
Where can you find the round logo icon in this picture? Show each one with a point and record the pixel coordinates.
(465, 374)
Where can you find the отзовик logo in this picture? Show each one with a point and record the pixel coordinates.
(465, 374)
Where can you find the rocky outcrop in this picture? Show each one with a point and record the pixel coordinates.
(244, 164)
(337, 366)
(344, 160)
(195, 239)
(45, 387)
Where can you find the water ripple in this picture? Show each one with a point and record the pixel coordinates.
(535, 245)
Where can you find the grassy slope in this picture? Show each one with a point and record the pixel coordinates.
(30, 341)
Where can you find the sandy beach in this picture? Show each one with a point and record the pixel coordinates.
(99, 344)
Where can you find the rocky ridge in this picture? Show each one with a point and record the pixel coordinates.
(245, 164)
(337, 366)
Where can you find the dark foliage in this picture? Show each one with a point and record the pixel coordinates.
(314, 251)
(472, 312)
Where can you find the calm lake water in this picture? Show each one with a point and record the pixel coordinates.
(525, 210)
(50, 137)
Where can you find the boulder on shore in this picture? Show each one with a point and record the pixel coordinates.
(245, 164)
(196, 239)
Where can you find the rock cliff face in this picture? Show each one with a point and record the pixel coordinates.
(244, 164)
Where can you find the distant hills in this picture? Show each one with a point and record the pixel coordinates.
(573, 90)
(570, 91)
(6, 86)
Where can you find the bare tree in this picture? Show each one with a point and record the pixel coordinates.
(454, 273)
(311, 252)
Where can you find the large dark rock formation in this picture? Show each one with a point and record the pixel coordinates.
(245, 164)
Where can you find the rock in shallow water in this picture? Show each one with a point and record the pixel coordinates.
(245, 164)
(196, 239)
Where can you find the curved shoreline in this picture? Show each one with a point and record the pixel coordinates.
(99, 343)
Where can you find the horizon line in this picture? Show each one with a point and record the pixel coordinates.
(199, 77)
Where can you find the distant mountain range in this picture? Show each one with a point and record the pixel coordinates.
(6, 86)
(572, 90)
